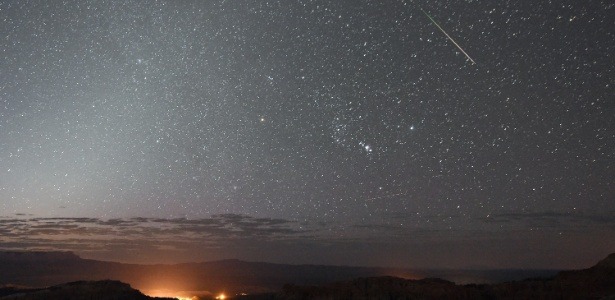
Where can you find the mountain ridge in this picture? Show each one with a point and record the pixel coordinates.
(77, 290)
(42, 269)
(596, 282)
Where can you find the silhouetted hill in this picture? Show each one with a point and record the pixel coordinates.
(42, 269)
(607, 263)
(383, 288)
(597, 282)
(302, 281)
(99, 290)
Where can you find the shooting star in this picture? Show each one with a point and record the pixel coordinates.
(448, 36)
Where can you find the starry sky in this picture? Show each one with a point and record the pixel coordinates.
(309, 131)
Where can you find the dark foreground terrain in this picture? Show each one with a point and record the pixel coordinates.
(42, 269)
(80, 290)
(597, 282)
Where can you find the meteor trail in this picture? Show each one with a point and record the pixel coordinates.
(448, 36)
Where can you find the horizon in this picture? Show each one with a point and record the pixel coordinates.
(437, 135)
(95, 233)
(246, 278)
(274, 263)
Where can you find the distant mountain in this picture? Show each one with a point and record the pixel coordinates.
(42, 269)
(267, 281)
(597, 282)
(38, 257)
(99, 290)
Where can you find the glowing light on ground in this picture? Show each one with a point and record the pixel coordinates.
(171, 294)
(221, 297)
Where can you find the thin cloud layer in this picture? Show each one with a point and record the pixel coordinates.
(152, 240)
(92, 233)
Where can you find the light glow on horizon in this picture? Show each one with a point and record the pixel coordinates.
(170, 294)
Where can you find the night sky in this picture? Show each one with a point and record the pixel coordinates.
(334, 132)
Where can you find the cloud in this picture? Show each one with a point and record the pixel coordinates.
(83, 234)
(247, 237)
